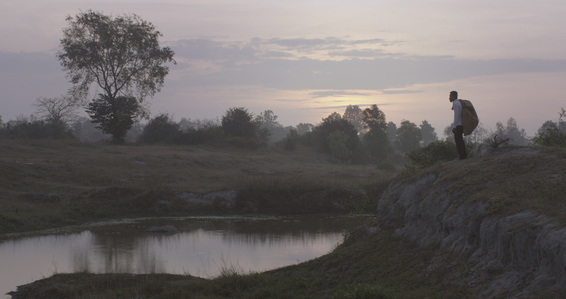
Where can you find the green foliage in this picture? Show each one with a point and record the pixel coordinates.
(303, 128)
(337, 142)
(24, 128)
(435, 152)
(121, 55)
(291, 140)
(377, 143)
(551, 133)
(331, 124)
(161, 129)
(114, 116)
(239, 122)
(355, 116)
(553, 136)
(391, 131)
(408, 137)
(268, 120)
(376, 140)
(427, 132)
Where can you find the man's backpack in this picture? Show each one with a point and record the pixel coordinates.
(470, 118)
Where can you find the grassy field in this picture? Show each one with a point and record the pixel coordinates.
(48, 184)
(51, 185)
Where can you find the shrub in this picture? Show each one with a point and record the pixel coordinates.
(204, 135)
(552, 137)
(160, 129)
(35, 129)
(321, 134)
(551, 133)
(239, 122)
(337, 142)
(434, 152)
(291, 140)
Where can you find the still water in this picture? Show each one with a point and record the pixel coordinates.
(202, 246)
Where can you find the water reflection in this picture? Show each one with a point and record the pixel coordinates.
(202, 247)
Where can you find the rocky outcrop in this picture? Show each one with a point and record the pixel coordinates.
(519, 255)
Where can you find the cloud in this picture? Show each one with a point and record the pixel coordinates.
(257, 63)
(401, 91)
(296, 48)
(334, 93)
(207, 49)
(343, 107)
(293, 100)
(305, 43)
(365, 53)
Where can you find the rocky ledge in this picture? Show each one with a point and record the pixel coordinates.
(520, 255)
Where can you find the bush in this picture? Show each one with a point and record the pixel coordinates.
(551, 133)
(322, 132)
(160, 129)
(337, 142)
(552, 136)
(239, 122)
(35, 129)
(434, 152)
(205, 135)
(291, 140)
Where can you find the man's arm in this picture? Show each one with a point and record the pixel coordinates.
(457, 105)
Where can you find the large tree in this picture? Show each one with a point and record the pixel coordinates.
(113, 116)
(120, 55)
(376, 136)
(239, 122)
(324, 132)
(428, 133)
(408, 137)
(355, 116)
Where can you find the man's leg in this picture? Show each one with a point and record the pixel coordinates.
(459, 139)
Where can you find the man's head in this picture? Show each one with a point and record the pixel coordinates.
(453, 96)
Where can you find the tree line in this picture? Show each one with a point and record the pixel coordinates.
(121, 56)
(356, 135)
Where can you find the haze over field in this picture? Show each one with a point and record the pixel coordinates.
(307, 59)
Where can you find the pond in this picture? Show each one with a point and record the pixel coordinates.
(201, 246)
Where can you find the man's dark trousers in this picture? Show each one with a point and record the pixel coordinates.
(459, 139)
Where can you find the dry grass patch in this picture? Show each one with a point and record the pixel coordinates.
(59, 183)
(513, 180)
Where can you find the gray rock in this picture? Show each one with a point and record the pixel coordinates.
(522, 254)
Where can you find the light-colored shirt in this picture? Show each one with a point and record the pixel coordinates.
(457, 107)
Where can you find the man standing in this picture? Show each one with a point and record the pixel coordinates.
(457, 127)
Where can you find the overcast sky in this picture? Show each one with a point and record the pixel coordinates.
(305, 59)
